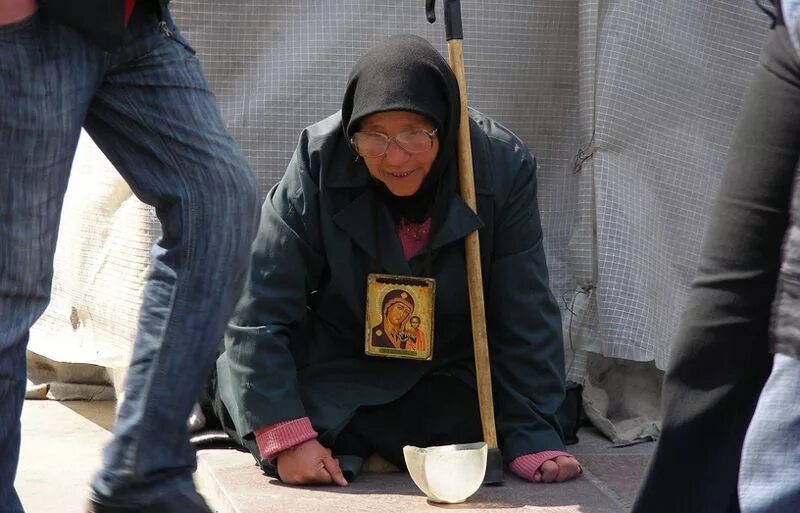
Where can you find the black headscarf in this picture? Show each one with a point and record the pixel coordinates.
(406, 73)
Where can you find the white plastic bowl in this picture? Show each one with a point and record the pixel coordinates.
(447, 473)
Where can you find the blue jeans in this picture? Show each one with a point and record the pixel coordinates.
(769, 479)
(150, 111)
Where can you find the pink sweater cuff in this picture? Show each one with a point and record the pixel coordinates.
(278, 437)
(526, 465)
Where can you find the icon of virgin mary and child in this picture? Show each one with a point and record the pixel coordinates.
(398, 329)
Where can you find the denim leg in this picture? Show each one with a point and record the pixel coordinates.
(157, 122)
(47, 75)
(768, 480)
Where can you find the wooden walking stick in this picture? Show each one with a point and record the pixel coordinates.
(466, 179)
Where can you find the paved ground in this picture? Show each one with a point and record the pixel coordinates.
(62, 443)
(61, 448)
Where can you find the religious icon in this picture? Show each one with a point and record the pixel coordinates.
(400, 316)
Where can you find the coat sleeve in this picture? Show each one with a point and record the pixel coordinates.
(523, 319)
(265, 339)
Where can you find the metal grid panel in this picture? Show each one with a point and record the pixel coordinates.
(665, 92)
(647, 91)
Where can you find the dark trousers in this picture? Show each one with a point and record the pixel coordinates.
(721, 356)
(439, 410)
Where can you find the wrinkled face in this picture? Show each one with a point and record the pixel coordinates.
(397, 313)
(400, 171)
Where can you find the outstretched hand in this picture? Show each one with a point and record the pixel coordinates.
(557, 470)
(309, 463)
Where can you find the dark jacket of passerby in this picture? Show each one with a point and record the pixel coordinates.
(101, 21)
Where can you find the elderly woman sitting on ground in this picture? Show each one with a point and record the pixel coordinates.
(372, 191)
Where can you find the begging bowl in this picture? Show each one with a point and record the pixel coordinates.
(447, 473)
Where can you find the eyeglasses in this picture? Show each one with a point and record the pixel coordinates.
(376, 144)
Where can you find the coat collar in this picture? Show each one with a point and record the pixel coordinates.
(358, 217)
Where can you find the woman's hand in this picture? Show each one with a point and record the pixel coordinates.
(309, 463)
(12, 11)
(561, 468)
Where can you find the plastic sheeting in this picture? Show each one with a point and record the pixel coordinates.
(661, 87)
(628, 106)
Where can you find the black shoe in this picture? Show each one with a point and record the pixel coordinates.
(180, 503)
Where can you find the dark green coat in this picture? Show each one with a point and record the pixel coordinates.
(295, 346)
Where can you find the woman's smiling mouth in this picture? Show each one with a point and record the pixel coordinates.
(400, 175)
